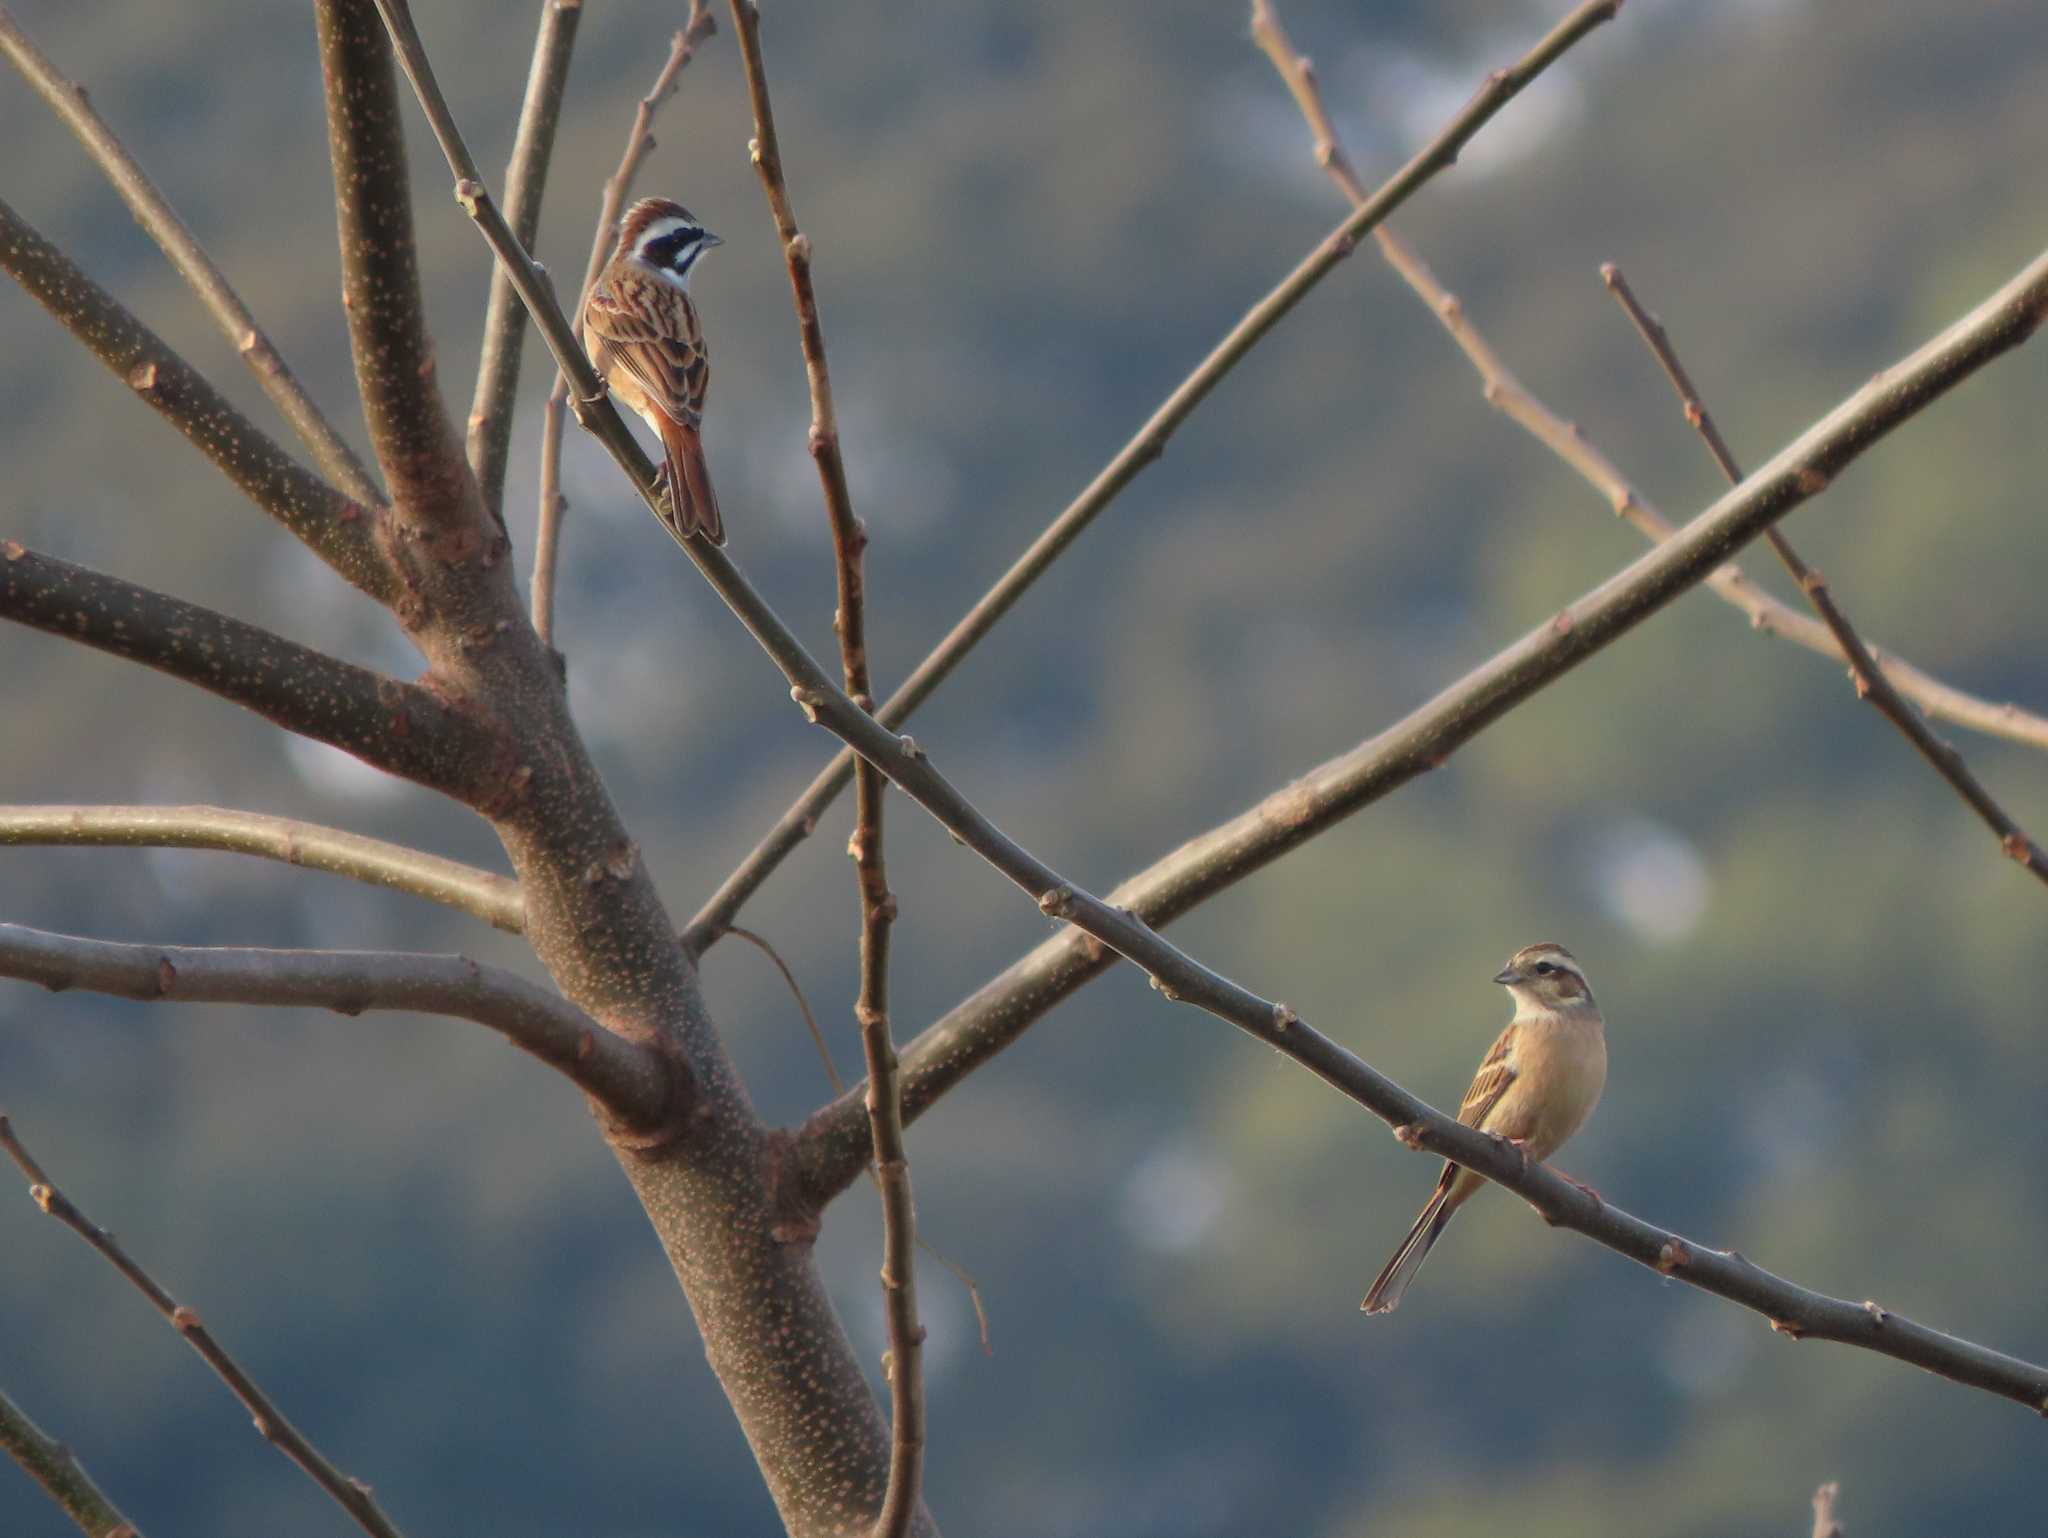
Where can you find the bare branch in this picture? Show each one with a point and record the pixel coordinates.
(1824, 1523)
(394, 352)
(492, 898)
(56, 1468)
(1868, 677)
(69, 101)
(905, 1357)
(631, 1081)
(834, 1145)
(342, 532)
(1797, 473)
(352, 1495)
(1565, 439)
(398, 727)
(801, 819)
(533, 147)
(553, 505)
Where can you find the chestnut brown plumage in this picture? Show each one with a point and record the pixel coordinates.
(646, 340)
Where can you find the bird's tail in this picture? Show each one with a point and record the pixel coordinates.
(693, 505)
(1400, 1271)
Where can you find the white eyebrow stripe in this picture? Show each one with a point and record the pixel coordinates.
(662, 228)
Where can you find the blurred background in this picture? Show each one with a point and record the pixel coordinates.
(1821, 979)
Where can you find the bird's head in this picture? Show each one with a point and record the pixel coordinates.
(1545, 977)
(666, 237)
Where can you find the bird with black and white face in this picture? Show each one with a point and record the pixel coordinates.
(1535, 1088)
(646, 340)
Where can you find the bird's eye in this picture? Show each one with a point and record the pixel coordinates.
(1544, 969)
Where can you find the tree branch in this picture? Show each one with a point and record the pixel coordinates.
(480, 893)
(533, 147)
(834, 1145)
(352, 1495)
(1869, 679)
(394, 353)
(801, 819)
(553, 505)
(398, 727)
(154, 213)
(56, 1468)
(631, 1081)
(343, 533)
(1565, 439)
(905, 1357)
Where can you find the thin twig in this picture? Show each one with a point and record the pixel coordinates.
(802, 1003)
(352, 1495)
(533, 147)
(904, 1361)
(56, 1468)
(639, 141)
(797, 824)
(1869, 679)
(960, 1272)
(154, 213)
(1512, 399)
(399, 727)
(630, 1080)
(396, 372)
(481, 893)
(338, 529)
(1824, 1523)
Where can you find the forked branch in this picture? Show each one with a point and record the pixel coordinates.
(1568, 442)
(1869, 679)
(342, 532)
(154, 213)
(796, 824)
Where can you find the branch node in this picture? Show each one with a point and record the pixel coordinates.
(1284, 1017)
(2017, 847)
(142, 377)
(910, 748)
(1811, 480)
(469, 194)
(1058, 903)
(1790, 1329)
(1879, 1314)
(810, 701)
(1163, 988)
(1409, 1135)
(1673, 1256)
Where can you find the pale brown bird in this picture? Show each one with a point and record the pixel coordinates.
(1535, 1088)
(645, 339)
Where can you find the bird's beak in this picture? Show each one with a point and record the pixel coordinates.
(711, 240)
(1507, 977)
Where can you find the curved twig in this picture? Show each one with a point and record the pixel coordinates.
(342, 532)
(154, 213)
(1869, 679)
(481, 893)
(398, 727)
(533, 146)
(56, 1468)
(1512, 399)
(350, 1494)
(801, 819)
(628, 1079)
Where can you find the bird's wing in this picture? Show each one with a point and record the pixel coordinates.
(1495, 1074)
(660, 344)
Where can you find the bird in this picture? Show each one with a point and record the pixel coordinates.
(646, 340)
(1535, 1088)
